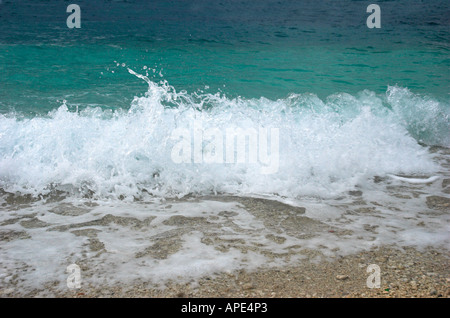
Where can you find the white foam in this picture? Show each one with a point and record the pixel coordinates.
(415, 180)
(325, 147)
(216, 243)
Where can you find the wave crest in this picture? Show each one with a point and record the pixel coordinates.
(325, 146)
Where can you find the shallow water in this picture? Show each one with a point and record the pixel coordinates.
(154, 241)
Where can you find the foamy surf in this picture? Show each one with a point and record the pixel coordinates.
(102, 190)
(151, 243)
(415, 180)
(313, 147)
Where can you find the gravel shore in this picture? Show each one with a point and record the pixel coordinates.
(289, 270)
(404, 273)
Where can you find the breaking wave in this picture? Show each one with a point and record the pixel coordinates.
(324, 146)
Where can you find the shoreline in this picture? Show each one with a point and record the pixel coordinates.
(249, 247)
(404, 272)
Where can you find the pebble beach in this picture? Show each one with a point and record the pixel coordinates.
(405, 273)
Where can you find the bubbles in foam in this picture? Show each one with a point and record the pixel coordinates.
(426, 119)
(325, 146)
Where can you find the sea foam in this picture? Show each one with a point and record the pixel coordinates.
(326, 146)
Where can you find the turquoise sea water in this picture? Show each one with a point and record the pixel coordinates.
(243, 48)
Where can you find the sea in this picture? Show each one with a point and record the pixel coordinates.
(154, 141)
